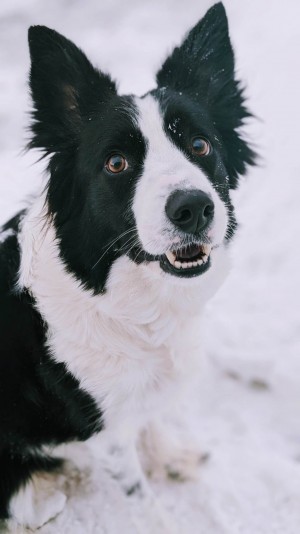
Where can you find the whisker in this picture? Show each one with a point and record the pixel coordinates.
(128, 244)
(112, 244)
(121, 235)
(134, 244)
(152, 242)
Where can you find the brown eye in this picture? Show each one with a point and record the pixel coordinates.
(200, 146)
(116, 163)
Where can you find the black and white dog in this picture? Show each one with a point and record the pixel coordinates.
(102, 277)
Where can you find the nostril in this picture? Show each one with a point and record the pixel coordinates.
(184, 216)
(208, 210)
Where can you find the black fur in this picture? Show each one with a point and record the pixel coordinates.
(185, 119)
(79, 121)
(202, 70)
(40, 401)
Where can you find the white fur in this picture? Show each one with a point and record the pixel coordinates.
(124, 346)
(38, 502)
(165, 452)
(5, 234)
(134, 347)
(166, 169)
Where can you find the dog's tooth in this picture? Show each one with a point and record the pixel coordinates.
(170, 256)
(177, 264)
(184, 265)
(206, 249)
(204, 259)
(199, 262)
(195, 264)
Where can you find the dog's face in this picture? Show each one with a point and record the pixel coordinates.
(145, 177)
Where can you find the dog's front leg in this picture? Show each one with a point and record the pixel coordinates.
(116, 450)
(170, 453)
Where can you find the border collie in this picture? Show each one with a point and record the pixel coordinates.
(104, 274)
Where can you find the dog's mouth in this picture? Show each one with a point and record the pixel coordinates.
(192, 260)
(185, 262)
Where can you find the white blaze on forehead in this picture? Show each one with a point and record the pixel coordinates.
(163, 156)
(166, 169)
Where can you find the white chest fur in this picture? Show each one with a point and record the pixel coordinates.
(129, 347)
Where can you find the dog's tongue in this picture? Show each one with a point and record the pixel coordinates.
(189, 252)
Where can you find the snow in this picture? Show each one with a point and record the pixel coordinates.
(246, 413)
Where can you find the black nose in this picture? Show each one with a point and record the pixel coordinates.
(191, 211)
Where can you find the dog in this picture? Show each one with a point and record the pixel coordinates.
(103, 275)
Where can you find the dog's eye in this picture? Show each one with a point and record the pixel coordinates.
(200, 146)
(116, 163)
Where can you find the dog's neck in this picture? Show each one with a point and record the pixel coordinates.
(141, 301)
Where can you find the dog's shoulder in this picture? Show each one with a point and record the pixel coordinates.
(35, 390)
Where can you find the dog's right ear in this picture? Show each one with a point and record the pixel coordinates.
(65, 89)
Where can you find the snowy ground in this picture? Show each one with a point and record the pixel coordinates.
(248, 408)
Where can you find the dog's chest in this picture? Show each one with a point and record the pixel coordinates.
(124, 366)
(124, 346)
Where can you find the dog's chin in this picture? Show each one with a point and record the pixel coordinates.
(165, 274)
(201, 282)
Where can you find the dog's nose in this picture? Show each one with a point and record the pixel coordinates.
(191, 211)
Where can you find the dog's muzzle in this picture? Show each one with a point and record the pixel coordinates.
(191, 212)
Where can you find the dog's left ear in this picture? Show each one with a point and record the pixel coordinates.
(203, 67)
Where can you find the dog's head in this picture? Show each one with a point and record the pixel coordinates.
(145, 177)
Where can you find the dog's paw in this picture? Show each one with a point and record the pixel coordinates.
(180, 465)
(132, 483)
(184, 465)
(38, 502)
(164, 455)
